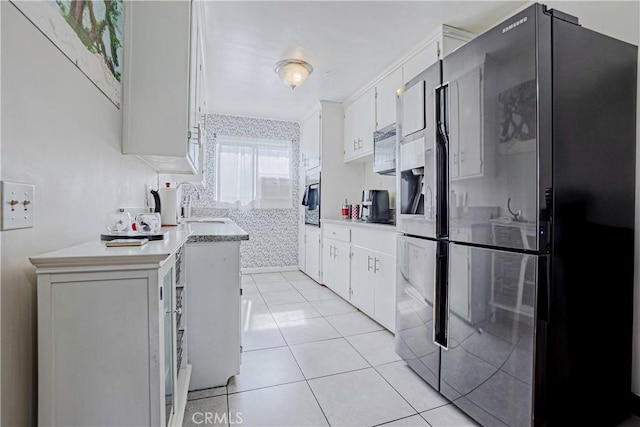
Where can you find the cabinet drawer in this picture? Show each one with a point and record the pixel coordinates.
(337, 232)
(375, 240)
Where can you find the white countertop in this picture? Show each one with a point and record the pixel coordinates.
(95, 253)
(358, 223)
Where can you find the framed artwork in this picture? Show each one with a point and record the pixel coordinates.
(89, 33)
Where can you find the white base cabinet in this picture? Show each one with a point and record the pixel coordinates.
(312, 253)
(336, 266)
(366, 276)
(111, 327)
(213, 300)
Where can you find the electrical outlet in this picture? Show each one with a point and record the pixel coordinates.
(17, 205)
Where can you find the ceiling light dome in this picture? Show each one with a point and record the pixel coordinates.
(293, 72)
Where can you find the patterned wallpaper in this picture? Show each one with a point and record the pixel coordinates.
(273, 233)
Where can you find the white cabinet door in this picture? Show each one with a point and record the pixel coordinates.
(157, 92)
(329, 275)
(312, 255)
(341, 268)
(360, 123)
(365, 122)
(385, 290)
(386, 99)
(420, 62)
(362, 278)
(350, 141)
(301, 240)
(310, 141)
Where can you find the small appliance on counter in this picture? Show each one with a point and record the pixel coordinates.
(375, 206)
(166, 204)
(144, 225)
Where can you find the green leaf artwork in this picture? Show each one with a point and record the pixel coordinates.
(89, 33)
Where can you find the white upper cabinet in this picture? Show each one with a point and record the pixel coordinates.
(360, 123)
(386, 98)
(310, 141)
(163, 84)
(419, 62)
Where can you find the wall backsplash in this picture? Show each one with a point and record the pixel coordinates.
(273, 233)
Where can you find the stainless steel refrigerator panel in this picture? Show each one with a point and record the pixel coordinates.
(493, 141)
(414, 307)
(416, 169)
(489, 364)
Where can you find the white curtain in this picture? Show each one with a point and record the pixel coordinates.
(253, 173)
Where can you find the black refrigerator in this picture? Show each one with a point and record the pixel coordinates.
(515, 207)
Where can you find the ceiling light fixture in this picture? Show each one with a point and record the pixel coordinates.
(293, 72)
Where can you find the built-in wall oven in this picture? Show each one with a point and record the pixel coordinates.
(311, 198)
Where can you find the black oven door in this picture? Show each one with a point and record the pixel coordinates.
(311, 202)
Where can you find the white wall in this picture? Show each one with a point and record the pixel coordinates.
(375, 181)
(63, 135)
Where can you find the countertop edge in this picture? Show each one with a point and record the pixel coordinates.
(351, 223)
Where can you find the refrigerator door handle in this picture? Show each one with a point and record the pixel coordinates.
(441, 300)
(442, 159)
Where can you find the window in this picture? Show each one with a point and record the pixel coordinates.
(253, 172)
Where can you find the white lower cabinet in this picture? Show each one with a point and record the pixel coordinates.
(384, 290)
(213, 300)
(112, 335)
(362, 279)
(366, 276)
(312, 245)
(336, 266)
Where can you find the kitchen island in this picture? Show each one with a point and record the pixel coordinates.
(213, 300)
(115, 324)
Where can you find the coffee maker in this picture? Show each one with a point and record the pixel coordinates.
(375, 206)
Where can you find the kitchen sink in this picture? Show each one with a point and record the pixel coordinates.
(202, 220)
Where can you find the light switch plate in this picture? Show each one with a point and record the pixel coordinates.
(17, 205)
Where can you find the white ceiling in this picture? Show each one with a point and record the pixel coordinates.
(348, 44)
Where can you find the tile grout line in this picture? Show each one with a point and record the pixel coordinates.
(343, 337)
(309, 385)
(288, 346)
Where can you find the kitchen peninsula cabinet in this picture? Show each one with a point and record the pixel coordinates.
(111, 334)
(214, 299)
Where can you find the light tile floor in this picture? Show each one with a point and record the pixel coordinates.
(311, 359)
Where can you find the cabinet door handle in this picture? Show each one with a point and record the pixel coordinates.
(369, 259)
(335, 252)
(375, 265)
(359, 143)
(330, 251)
(355, 145)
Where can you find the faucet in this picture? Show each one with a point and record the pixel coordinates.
(185, 202)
